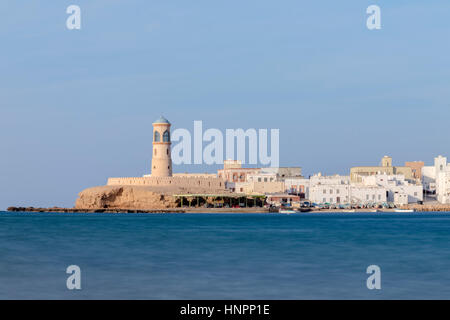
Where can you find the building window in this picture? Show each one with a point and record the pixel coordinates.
(324, 191)
(367, 197)
(157, 137)
(166, 136)
(155, 152)
(331, 191)
(324, 199)
(265, 179)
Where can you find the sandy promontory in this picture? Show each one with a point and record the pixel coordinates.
(124, 197)
(133, 197)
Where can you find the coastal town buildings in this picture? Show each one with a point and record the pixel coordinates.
(329, 189)
(269, 187)
(364, 185)
(339, 190)
(283, 172)
(262, 177)
(373, 189)
(357, 173)
(436, 179)
(234, 172)
(397, 188)
(429, 179)
(416, 168)
(360, 194)
(299, 186)
(267, 180)
(283, 199)
(266, 183)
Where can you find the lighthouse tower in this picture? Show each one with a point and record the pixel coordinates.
(161, 159)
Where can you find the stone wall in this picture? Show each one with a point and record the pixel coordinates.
(179, 182)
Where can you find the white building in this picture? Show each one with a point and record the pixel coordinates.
(338, 190)
(437, 179)
(429, 179)
(396, 185)
(297, 186)
(400, 199)
(376, 189)
(329, 189)
(361, 194)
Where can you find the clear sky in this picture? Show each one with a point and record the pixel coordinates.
(76, 106)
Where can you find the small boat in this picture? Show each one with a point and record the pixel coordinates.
(349, 211)
(404, 210)
(286, 211)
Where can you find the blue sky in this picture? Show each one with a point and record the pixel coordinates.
(76, 106)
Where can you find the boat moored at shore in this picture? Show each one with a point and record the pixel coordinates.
(404, 210)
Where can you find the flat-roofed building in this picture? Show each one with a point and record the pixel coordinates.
(386, 167)
(338, 189)
(283, 172)
(396, 184)
(329, 189)
(257, 187)
(233, 172)
(279, 199)
(416, 167)
(437, 179)
(261, 177)
(299, 186)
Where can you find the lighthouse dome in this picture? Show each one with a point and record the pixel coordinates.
(162, 120)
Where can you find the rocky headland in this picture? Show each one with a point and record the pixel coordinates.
(125, 197)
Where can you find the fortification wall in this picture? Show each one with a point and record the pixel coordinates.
(180, 182)
(194, 175)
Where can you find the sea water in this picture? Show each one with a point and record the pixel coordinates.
(225, 256)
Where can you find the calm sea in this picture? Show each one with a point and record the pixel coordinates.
(224, 256)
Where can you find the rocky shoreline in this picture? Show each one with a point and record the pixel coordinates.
(90, 210)
(417, 208)
(127, 210)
